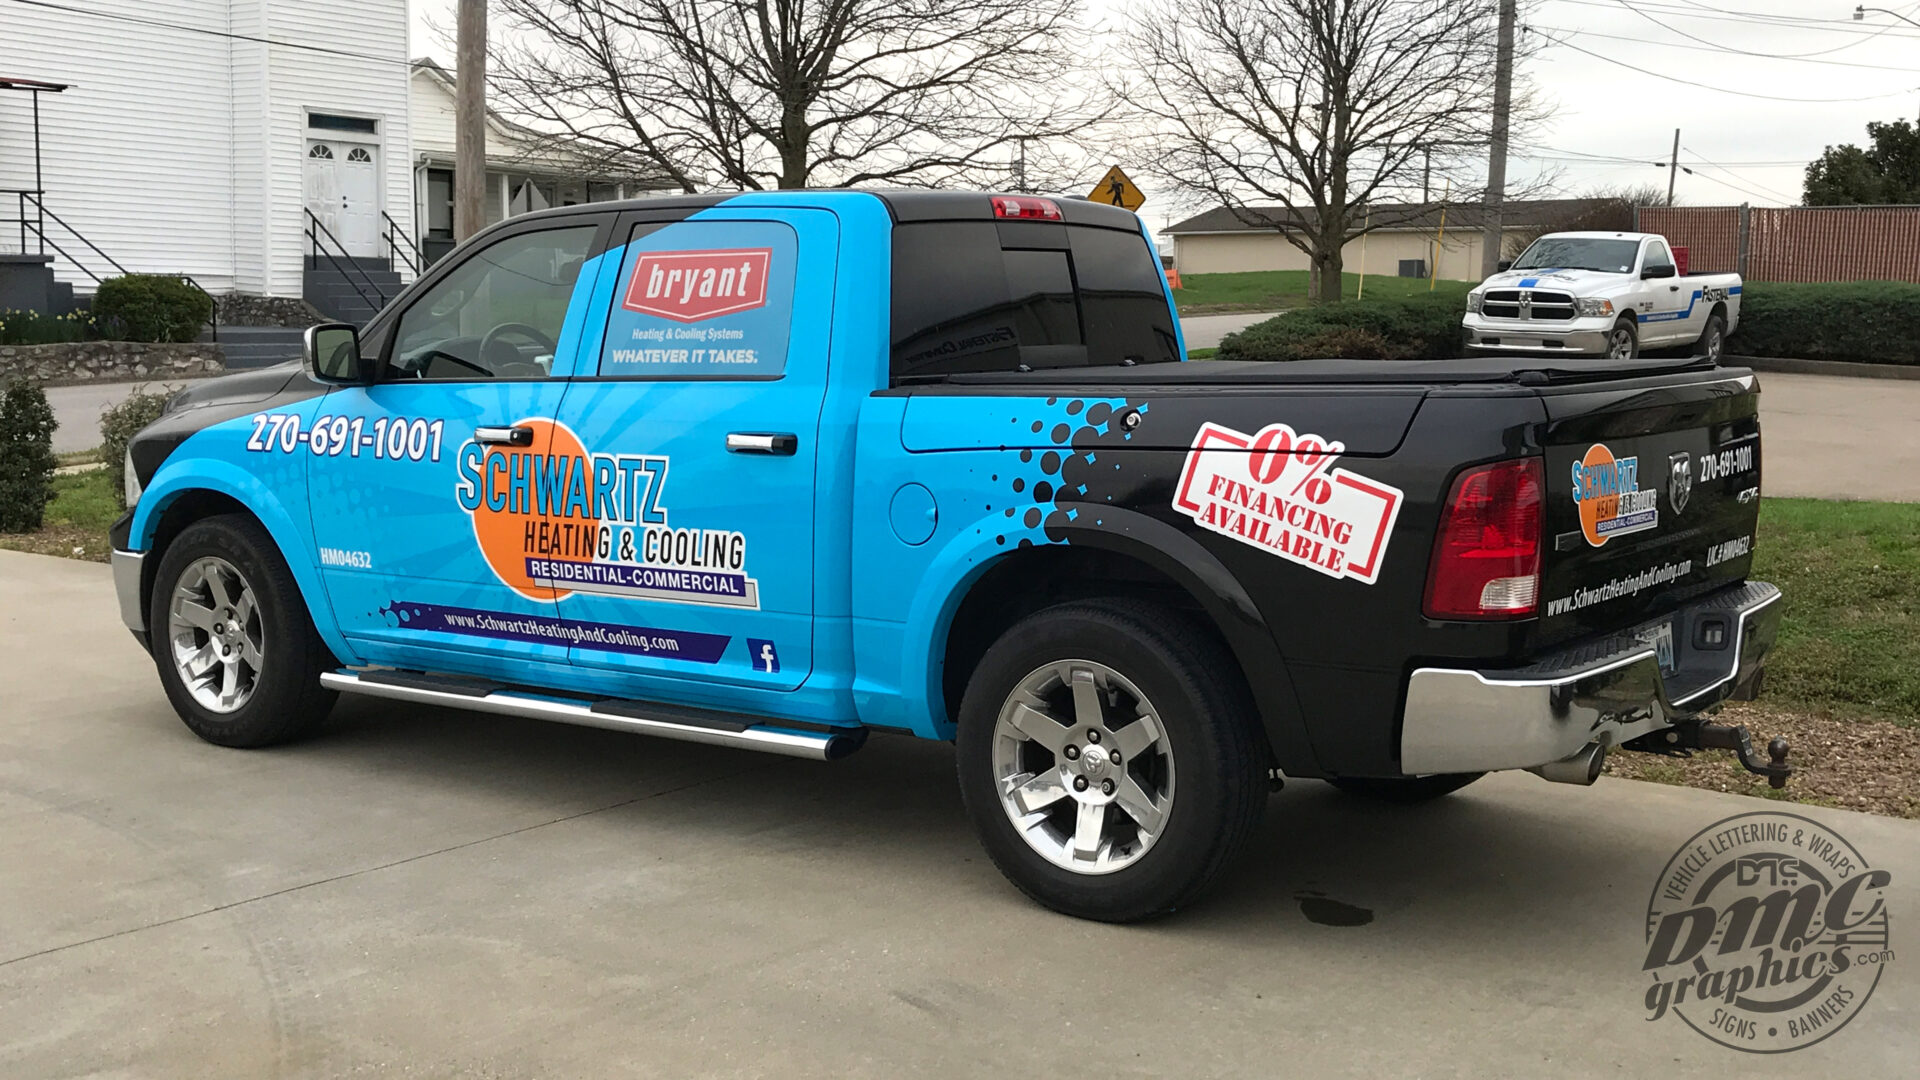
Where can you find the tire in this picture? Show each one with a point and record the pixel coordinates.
(225, 608)
(1623, 341)
(1405, 790)
(1186, 794)
(1713, 340)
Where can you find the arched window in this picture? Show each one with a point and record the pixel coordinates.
(320, 150)
(359, 154)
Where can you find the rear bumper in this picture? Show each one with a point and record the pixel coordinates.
(1581, 337)
(1607, 691)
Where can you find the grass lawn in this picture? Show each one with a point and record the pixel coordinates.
(1275, 290)
(76, 521)
(1850, 642)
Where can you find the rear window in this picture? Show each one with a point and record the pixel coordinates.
(993, 296)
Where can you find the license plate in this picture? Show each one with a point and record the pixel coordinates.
(1661, 638)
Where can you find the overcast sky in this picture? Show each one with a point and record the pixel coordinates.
(1716, 69)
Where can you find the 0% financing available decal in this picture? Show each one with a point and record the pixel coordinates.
(1278, 490)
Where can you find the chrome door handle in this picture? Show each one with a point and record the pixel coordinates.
(762, 442)
(504, 436)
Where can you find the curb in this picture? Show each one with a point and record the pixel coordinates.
(1788, 366)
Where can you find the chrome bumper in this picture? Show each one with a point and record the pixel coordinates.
(126, 582)
(1606, 691)
(1576, 338)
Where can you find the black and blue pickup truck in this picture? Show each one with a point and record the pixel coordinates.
(783, 469)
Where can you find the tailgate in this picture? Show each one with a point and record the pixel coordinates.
(1653, 490)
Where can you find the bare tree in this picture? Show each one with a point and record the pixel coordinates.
(1313, 118)
(798, 93)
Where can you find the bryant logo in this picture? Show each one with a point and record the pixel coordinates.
(688, 286)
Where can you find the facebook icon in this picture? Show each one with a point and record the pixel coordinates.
(764, 656)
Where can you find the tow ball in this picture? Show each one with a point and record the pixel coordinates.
(1682, 739)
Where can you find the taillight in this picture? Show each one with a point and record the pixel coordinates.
(1025, 208)
(1486, 558)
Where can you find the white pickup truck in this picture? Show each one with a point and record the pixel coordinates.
(1609, 294)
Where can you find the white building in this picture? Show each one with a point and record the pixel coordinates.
(196, 136)
(524, 171)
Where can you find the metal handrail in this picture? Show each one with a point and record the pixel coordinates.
(313, 223)
(40, 204)
(394, 233)
(38, 224)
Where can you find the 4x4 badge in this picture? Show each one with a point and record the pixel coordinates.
(1679, 480)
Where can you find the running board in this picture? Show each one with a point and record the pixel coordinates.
(818, 742)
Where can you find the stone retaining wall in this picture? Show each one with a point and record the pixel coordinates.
(110, 361)
(247, 309)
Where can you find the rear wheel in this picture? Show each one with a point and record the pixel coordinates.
(1713, 340)
(1108, 759)
(1623, 341)
(1405, 790)
(235, 647)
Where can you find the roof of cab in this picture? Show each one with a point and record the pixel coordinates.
(905, 204)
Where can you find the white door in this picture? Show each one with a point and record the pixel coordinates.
(343, 191)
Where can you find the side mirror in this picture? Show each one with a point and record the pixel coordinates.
(1504, 265)
(1656, 272)
(332, 354)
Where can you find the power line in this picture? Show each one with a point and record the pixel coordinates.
(1717, 46)
(1713, 48)
(1715, 165)
(1778, 22)
(1718, 89)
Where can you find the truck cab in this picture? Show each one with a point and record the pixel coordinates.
(784, 470)
(1611, 294)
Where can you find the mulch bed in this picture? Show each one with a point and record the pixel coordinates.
(1868, 765)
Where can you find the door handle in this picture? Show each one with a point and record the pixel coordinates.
(1673, 288)
(761, 442)
(504, 436)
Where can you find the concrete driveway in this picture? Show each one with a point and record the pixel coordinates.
(1827, 437)
(432, 893)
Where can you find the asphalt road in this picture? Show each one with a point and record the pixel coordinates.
(1205, 331)
(432, 893)
(76, 409)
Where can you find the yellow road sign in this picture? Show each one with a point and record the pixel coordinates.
(1115, 189)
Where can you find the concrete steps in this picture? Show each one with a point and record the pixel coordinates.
(258, 346)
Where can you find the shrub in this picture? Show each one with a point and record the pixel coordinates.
(1872, 322)
(118, 425)
(149, 307)
(1416, 328)
(34, 328)
(26, 456)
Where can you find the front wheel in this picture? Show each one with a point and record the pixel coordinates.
(232, 639)
(1108, 758)
(1623, 341)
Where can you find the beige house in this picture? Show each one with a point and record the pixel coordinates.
(524, 171)
(1226, 241)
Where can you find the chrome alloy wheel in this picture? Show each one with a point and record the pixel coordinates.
(213, 628)
(1083, 766)
(1620, 344)
(1716, 342)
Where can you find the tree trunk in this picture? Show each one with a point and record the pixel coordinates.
(1328, 263)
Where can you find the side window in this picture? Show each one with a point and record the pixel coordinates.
(496, 315)
(1657, 255)
(702, 299)
(968, 297)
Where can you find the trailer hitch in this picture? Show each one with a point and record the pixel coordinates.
(1682, 739)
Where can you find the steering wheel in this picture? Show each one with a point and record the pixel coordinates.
(517, 360)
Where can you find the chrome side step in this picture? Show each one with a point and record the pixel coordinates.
(715, 729)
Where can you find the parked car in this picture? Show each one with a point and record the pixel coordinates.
(781, 470)
(1611, 294)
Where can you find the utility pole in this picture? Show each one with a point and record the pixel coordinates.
(470, 121)
(1491, 234)
(1020, 169)
(1426, 175)
(1673, 166)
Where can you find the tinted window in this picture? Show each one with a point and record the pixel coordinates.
(498, 314)
(972, 296)
(1657, 255)
(702, 299)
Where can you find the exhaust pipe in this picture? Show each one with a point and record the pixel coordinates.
(1582, 768)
